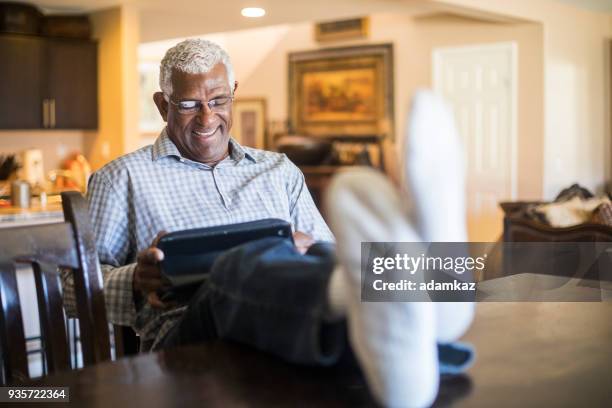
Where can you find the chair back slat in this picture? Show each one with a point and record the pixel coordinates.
(50, 310)
(46, 248)
(91, 309)
(12, 338)
(49, 243)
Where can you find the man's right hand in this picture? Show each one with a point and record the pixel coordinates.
(147, 275)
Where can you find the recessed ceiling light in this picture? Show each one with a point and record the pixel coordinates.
(253, 12)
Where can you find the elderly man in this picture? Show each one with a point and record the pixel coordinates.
(294, 305)
(194, 175)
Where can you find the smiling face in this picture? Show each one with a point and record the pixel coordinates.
(202, 136)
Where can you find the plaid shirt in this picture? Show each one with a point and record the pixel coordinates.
(154, 188)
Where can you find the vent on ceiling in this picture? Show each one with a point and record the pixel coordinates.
(342, 29)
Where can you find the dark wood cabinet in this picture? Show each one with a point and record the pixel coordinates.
(21, 85)
(72, 88)
(48, 83)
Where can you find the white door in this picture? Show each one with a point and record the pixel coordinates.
(480, 83)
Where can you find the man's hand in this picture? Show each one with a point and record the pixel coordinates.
(147, 275)
(302, 241)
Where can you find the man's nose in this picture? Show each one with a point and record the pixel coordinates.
(206, 115)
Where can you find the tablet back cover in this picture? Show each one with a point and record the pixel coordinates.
(189, 254)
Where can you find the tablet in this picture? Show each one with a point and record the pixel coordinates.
(189, 254)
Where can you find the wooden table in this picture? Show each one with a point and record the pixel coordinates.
(528, 355)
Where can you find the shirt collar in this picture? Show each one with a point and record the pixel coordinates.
(237, 152)
(163, 147)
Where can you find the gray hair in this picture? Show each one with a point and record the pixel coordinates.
(193, 56)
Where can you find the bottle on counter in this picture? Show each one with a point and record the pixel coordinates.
(39, 191)
(43, 198)
(20, 194)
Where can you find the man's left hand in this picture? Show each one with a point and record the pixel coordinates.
(302, 241)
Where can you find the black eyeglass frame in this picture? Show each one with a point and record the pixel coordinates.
(201, 104)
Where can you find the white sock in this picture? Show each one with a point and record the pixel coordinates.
(435, 170)
(435, 173)
(452, 320)
(394, 341)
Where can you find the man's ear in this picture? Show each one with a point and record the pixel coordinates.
(162, 105)
(235, 87)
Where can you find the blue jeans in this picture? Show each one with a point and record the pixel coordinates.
(269, 296)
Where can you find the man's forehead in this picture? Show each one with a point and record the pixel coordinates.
(214, 78)
(215, 82)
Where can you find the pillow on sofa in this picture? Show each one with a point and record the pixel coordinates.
(603, 214)
(572, 212)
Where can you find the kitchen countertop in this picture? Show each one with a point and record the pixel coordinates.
(36, 214)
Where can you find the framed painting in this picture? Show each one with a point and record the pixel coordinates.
(342, 91)
(249, 122)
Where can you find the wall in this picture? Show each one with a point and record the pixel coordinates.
(568, 142)
(116, 29)
(449, 30)
(576, 98)
(414, 41)
(270, 77)
(130, 77)
(55, 144)
(158, 24)
(117, 33)
(609, 101)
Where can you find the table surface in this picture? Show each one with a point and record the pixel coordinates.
(528, 354)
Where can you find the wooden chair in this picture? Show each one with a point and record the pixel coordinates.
(46, 247)
(87, 286)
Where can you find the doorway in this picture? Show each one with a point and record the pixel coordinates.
(480, 83)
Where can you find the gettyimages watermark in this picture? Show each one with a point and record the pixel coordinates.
(484, 271)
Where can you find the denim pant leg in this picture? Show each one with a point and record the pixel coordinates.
(268, 296)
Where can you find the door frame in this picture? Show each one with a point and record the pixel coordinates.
(512, 48)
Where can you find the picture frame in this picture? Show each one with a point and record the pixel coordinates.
(150, 121)
(249, 122)
(342, 91)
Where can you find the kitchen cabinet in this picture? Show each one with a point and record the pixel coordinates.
(22, 86)
(72, 89)
(48, 83)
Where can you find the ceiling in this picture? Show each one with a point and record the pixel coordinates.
(272, 6)
(72, 6)
(54, 6)
(185, 19)
(164, 19)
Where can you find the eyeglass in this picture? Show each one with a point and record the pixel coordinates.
(218, 104)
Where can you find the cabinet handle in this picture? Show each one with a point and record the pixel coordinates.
(45, 113)
(52, 113)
